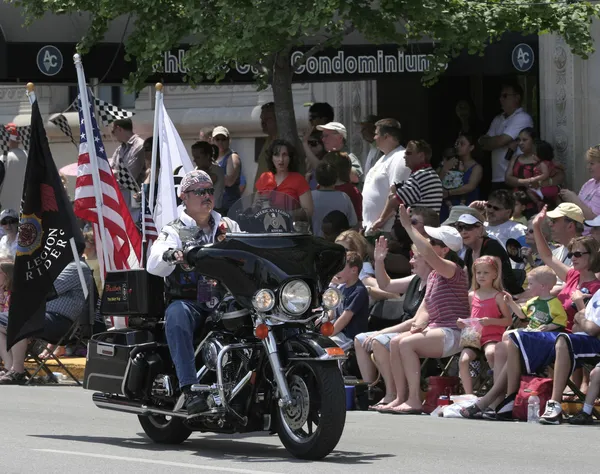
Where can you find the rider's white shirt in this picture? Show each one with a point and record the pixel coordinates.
(168, 239)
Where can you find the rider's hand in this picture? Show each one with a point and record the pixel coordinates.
(173, 256)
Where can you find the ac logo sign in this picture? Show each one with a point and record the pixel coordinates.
(49, 60)
(523, 57)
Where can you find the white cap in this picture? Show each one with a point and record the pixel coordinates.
(595, 222)
(468, 219)
(9, 213)
(220, 130)
(334, 126)
(449, 235)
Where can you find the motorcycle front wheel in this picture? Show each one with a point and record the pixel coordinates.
(163, 429)
(312, 427)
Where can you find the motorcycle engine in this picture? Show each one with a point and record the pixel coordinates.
(235, 363)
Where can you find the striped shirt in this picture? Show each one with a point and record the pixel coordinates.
(423, 188)
(447, 299)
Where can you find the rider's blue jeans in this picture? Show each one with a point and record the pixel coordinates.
(182, 318)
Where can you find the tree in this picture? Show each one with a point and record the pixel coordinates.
(262, 33)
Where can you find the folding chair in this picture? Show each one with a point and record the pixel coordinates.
(79, 330)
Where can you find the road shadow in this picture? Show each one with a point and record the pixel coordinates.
(238, 447)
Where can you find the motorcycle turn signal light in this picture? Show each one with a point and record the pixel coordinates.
(334, 351)
(261, 331)
(327, 329)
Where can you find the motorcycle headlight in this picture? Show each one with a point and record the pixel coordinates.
(332, 297)
(295, 297)
(263, 301)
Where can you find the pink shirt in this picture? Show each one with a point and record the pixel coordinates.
(569, 287)
(487, 308)
(590, 195)
(447, 299)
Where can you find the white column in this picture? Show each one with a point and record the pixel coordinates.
(569, 89)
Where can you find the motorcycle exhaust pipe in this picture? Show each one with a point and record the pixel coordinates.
(129, 406)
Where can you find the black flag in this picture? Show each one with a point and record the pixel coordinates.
(46, 225)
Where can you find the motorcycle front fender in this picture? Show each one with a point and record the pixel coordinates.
(313, 346)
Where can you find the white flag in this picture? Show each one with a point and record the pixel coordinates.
(172, 155)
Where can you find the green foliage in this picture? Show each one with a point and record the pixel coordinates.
(225, 32)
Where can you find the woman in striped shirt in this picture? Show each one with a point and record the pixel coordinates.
(434, 332)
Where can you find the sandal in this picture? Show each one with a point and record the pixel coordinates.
(472, 412)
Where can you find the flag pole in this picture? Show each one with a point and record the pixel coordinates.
(87, 117)
(32, 98)
(155, 142)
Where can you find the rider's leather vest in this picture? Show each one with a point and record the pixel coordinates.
(182, 283)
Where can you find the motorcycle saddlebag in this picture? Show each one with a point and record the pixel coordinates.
(108, 359)
(133, 293)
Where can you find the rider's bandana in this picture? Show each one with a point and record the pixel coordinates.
(194, 177)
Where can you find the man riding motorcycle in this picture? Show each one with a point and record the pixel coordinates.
(185, 314)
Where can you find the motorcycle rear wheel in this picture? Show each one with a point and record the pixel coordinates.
(163, 430)
(312, 428)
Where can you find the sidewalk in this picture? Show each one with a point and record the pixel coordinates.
(75, 364)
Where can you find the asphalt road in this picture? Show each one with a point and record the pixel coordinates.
(59, 430)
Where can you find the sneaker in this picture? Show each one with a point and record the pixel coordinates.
(14, 378)
(195, 403)
(582, 418)
(553, 414)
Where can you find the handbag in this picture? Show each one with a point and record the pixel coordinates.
(386, 313)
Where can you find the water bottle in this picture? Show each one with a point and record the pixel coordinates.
(533, 408)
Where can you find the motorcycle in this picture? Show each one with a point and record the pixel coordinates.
(261, 362)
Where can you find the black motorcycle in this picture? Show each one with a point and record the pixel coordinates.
(262, 364)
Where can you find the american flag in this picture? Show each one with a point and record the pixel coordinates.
(150, 226)
(123, 241)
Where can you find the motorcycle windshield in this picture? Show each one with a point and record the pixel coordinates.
(270, 213)
(274, 246)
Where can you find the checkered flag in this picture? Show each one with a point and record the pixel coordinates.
(63, 124)
(108, 113)
(125, 179)
(24, 136)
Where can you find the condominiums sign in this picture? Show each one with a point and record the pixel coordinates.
(346, 63)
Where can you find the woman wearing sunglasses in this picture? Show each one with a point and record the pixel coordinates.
(434, 332)
(9, 221)
(478, 244)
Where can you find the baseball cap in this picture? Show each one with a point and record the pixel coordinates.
(13, 133)
(449, 235)
(469, 219)
(9, 213)
(334, 126)
(194, 177)
(458, 211)
(567, 209)
(595, 222)
(220, 130)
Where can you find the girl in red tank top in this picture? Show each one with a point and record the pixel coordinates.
(489, 313)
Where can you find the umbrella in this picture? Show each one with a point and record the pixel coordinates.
(69, 170)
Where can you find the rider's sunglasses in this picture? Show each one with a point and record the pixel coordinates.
(202, 191)
(577, 254)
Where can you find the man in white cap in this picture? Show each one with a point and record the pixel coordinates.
(230, 163)
(334, 139)
(15, 164)
(594, 227)
(197, 221)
